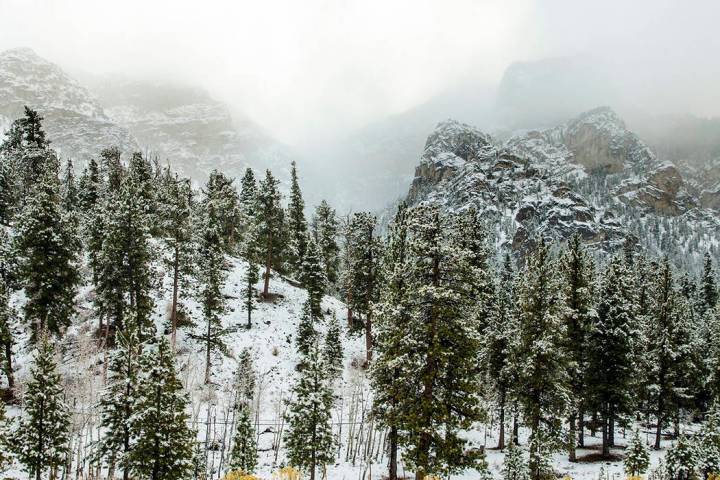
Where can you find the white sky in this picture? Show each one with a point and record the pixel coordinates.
(302, 68)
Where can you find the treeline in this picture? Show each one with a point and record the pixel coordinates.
(456, 333)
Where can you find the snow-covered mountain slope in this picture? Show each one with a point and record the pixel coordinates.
(589, 176)
(186, 126)
(75, 121)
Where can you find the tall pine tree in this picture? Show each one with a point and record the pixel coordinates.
(270, 221)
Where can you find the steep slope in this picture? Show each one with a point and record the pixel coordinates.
(75, 120)
(186, 126)
(589, 176)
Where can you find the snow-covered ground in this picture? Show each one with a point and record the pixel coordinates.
(271, 341)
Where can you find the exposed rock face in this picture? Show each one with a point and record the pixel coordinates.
(74, 120)
(590, 176)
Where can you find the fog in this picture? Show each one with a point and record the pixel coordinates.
(314, 70)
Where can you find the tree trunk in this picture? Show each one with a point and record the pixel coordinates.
(207, 353)
(173, 311)
(9, 368)
(572, 456)
(611, 430)
(516, 427)
(658, 428)
(392, 470)
(501, 437)
(268, 257)
(581, 428)
(605, 446)
(368, 338)
(593, 424)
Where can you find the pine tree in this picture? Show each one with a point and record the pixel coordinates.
(297, 225)
(313, 277)
(221, 192)
(333, 348)
(248, 193)
(708, 287)
(7, 189)
(681, 460)
(392, 313)
(361, 272)
(270, 221)
(499, 337)
(245, 378)
(89, 187)
(667, 349)
(126, 278)
(542, 378)
(637, 457)
(709, 445)
(440, 347)
(576, 269)
(514, 465)
(117, 404)
(306, 333)
(49, 269)
(309, 441)
(243, 457)
(5, 444)
(70, 195)
(175, 215)
(41, 439)
(249, 253)
(609, 349)
(162, 441)
(211, 279)
(325, 231)
(7, 338)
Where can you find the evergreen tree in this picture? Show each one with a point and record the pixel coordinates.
(361, 272)
(325, 231)
(313, 277)
(709, 445)
(542, 379)
(175, 215)
(7, 338)
(270, 221)
(5, 444)
(388, 380)
(125, 274)
(681, 460)
(41, 439)
(70, 194)
(576, 269)
(306, 334)
(243, 457)
(248, 193)
(7, 189)
(89, 187)
(245, 378)
(609, 349)
(211, 278)
(440, 347)
(249, 253)
(498, 335)
(297, 225)
(309, 441)
(514, 465)
(333, 348)
(708, 287)
(221, 192)
(162, 441)
(49, 269)
(637, 458)
(668, 349)
(117, 404)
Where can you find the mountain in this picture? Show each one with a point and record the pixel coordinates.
(182, 125)
(589, 176)
(187, 127)
(74, 119)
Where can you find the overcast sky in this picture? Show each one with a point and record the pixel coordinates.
(303, 67)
